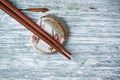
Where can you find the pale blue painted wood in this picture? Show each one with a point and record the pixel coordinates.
(94, 40)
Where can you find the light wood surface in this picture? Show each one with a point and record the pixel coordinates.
(94, 40)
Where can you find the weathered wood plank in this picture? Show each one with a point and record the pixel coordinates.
(94, 40)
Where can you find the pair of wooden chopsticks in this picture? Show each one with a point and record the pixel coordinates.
(33, 27)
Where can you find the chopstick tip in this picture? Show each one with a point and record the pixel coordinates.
(69, 58)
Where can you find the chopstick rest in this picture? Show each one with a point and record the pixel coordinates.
(53, 26)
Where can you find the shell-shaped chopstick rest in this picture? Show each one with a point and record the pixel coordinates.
(53, 26)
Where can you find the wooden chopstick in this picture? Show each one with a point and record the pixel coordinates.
(35, 25)
(29, 27)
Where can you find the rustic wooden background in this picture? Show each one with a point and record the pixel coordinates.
(94, 40)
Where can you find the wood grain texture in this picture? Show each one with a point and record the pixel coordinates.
(94, 39)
